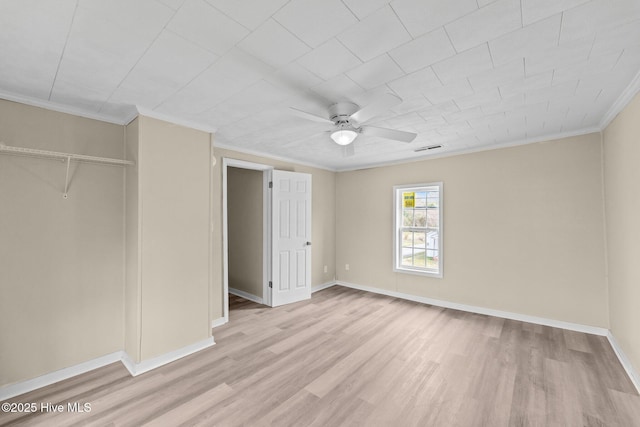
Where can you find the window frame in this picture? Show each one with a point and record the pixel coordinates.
(398, 228)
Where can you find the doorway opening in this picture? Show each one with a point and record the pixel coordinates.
(245, 231)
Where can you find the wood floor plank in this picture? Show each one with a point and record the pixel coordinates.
(349, 358)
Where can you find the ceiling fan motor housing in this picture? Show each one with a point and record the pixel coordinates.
(340, 113)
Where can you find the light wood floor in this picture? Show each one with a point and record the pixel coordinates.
(348, 357)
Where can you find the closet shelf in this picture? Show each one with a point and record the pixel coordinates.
(21, 151)
(65, 157)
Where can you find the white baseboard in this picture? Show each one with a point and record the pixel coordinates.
(149, 364)
(218, 322)
(245, 295)
(16, 389)
(323, 286)
(624, 361)
(481, 310)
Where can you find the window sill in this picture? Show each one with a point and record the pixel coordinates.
(434, 274)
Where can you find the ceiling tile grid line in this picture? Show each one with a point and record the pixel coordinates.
(471, 74)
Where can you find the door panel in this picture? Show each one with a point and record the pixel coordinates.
(291, 222)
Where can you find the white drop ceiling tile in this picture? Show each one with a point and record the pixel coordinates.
(497, 76)
(629, 60)
(404, 121)
(423, 51)
(616, 38)
(72, 93)
(375, 35)
(437, 111)
(536, 10)
(329, 60)
(597, 64)
(423, 16)
(506, 104)
(202, 24)
(226, 77)
(449, 92)
(250, 15)
(563, 90)
(486, 23)
(464, 64)
(411, 105)
(339, 88)
(173, 4)
(30, 59)
(169, 64)
(480, 98)
(376, 72)
(315, 21)
(487, 120)
(526, 41)
(526, 84)
(464, 115)
(597, 15)
(417, 82)
(557, 57)
(142, 18)
(294, 78)
(273, 45)
(364, 8)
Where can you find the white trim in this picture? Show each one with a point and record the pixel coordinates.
(623, 100)
(218, 322)
(624, 361)
(149, 364)
(245, 295)
(272, 157)
(22, 387)
(481, 310)
(323, 286)
(397, 239)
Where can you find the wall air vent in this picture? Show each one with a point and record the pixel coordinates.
(430, 147)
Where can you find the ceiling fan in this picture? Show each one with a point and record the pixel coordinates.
(348, 119)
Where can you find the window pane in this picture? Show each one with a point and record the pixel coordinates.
(407, 239)
(421, 199)
(407, 257)
(407, 217)
(420, 218)
(433, 218)
(419, 259)
(432, 199)
(419, 240)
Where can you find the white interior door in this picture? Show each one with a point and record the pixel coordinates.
(291, 237)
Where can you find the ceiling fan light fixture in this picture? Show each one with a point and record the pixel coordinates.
(343, 136)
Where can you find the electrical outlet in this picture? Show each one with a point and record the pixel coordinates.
(346, 267)
(325, 269)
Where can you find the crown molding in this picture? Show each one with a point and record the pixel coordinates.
(623, 100)
(146, 112)
(60, 108)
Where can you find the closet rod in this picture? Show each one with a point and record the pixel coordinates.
(62, 156)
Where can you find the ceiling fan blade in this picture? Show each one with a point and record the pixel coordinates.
(377, 107)
(398, 135)
(309, 116)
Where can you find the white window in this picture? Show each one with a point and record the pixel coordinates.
(418, 229)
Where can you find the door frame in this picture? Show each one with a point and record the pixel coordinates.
(266, 230)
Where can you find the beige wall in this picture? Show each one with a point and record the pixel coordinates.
(523, 229)
(622, 201)
(323, 217)
(244, 219)
(174, 187)
(61, 261)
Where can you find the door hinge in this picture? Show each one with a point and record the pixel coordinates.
(270, 284)
(270, 184)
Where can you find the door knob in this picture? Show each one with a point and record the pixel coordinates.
(308, 244)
